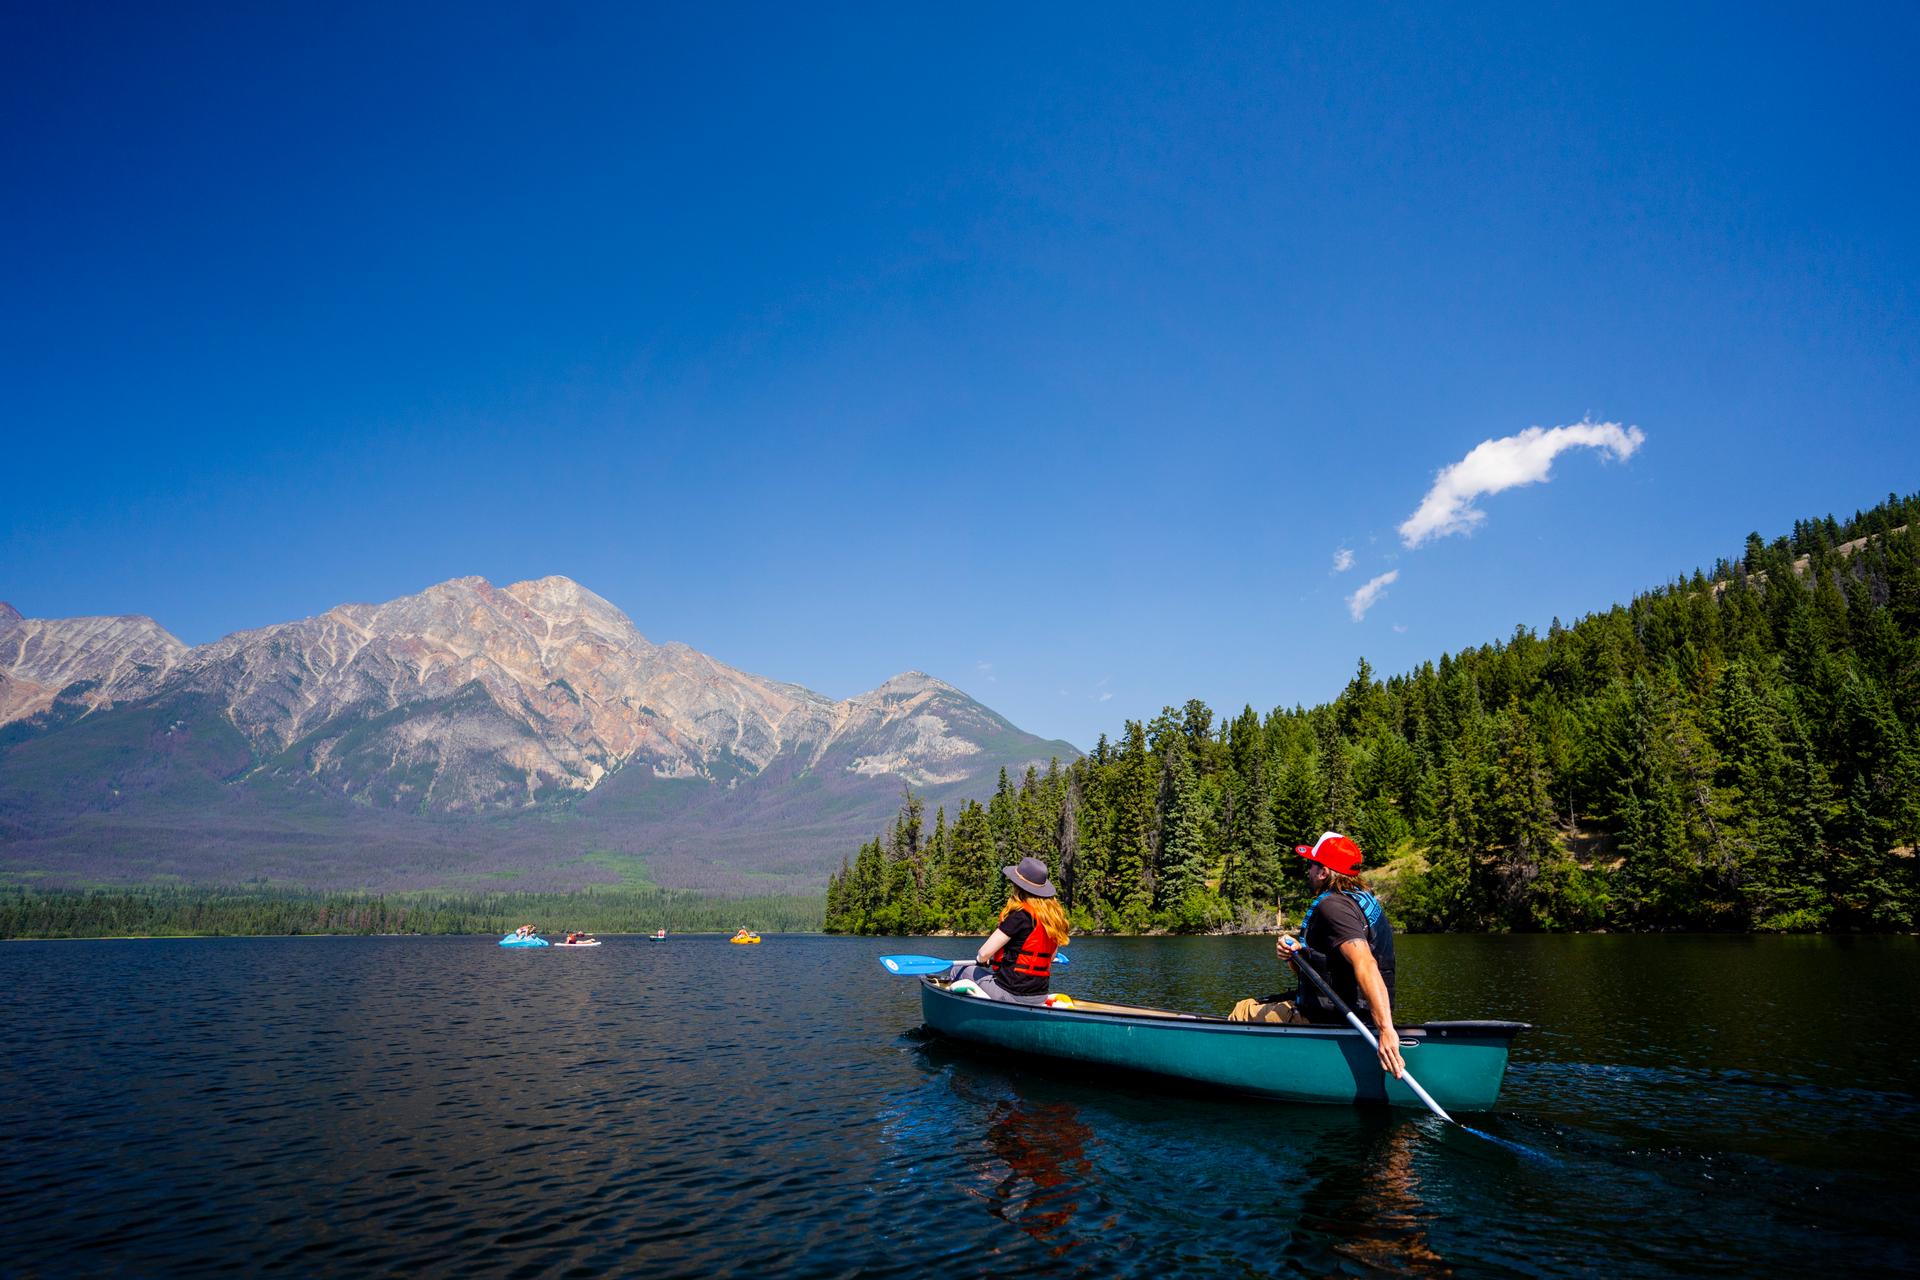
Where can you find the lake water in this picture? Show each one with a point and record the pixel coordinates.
(443, 1106)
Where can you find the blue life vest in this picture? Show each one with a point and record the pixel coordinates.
(1369, 907)
(1341, 977)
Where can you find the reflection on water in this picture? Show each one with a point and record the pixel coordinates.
(352, 1106)
(1043, 1149)
(1370, 1209)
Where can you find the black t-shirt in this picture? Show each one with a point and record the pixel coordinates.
(1338, 919)
(1017, 926)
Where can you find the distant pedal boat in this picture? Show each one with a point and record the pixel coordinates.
(1460, 1063)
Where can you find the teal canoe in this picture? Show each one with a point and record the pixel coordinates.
(1460, 1063)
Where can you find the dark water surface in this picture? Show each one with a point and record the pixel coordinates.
(330, 1106)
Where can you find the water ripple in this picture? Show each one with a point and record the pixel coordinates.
(345, 1106)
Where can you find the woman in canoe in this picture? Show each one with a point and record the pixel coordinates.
(1016, 960)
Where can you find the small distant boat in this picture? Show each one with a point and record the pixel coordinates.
(1460, 1063)
(515, 940)
(658, 935)
(744, 936)
(593, 943)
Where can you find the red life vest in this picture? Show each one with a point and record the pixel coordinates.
(1035, 956)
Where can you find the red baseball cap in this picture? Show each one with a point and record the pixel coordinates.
(1333, 851)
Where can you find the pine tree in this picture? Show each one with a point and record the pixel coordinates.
(1752, 782)
(1299, 814)
(1447, 889)
(1181, 878)
(1341, 802)
(1662, 881)
(1003, 816)
(1134, 835)
(1030, 819)
(869, 888)
(1067, 838)
(906, 909)
(1522, 821)
(973, 893)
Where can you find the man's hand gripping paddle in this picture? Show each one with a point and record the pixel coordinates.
(1312, 975)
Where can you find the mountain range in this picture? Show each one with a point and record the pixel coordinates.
(526, 736)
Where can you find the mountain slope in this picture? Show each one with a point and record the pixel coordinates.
(466, 728)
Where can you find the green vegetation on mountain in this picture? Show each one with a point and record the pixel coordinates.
(1736, 750)
(187, 912)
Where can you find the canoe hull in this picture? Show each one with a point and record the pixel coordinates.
(1461, 1064)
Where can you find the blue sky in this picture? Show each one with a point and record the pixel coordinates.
(1057, 351)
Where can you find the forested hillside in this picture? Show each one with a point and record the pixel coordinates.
(177, 911)
(1736, 750)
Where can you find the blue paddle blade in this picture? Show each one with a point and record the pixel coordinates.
(916, 965)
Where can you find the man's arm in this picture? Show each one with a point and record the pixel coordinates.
(1374, 987)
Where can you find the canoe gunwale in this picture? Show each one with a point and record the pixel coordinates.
(1490, 1029)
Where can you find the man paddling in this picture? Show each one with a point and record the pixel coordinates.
(1348, 940)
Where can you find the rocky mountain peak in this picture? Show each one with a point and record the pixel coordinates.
(560, 599)
(463, 698)
(115, 656)
(471, 696)
(911, 683)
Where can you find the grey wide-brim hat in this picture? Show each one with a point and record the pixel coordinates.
(1030, 875)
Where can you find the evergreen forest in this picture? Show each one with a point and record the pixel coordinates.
(180, 911)
(1737, 750)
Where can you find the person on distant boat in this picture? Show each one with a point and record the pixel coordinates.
(1016, 961)
(525, 931)
(1348, 940)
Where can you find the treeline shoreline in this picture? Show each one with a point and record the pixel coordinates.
(188, 912)
(1737, 751)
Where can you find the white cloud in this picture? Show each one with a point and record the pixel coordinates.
(1342, 560)
(1103, 697)
(1369, 595)
(1494, 465)
(985, 669)
(1399, 629)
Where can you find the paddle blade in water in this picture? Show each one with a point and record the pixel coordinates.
(1524, 1152)
(1482, 1145)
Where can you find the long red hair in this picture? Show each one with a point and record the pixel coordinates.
(1046, 913)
